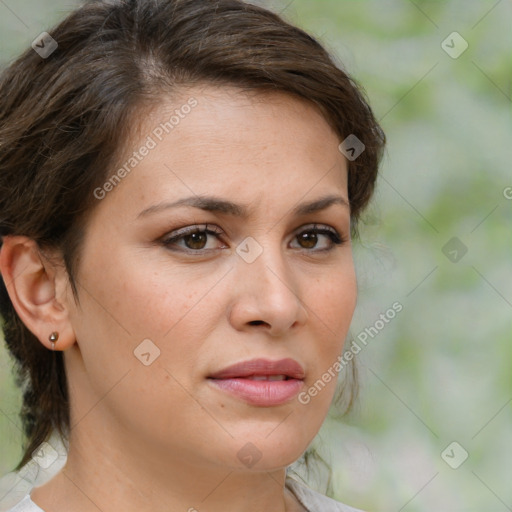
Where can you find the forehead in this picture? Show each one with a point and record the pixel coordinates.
(217, 141)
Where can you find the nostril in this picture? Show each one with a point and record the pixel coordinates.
(257, 322)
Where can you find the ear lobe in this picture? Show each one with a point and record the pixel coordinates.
(31, 283)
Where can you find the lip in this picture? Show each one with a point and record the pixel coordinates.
(288, 367)
(236, 380)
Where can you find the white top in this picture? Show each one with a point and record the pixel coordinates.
(310, 499)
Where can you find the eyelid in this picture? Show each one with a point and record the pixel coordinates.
(212, 227)
(174, 237)
(192, 229)
(178, 234)
(341, 238)
(315, 226)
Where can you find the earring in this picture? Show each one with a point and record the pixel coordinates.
(54, 336)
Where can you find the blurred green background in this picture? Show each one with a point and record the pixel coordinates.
(437, 239)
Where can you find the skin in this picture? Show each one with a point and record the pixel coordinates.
(161, 437)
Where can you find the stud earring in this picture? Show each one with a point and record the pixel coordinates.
(54, 336)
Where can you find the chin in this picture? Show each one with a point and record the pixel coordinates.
(259, 453)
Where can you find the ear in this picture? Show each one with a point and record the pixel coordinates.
(33, 284)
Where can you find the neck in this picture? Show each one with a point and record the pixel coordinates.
(115, 474)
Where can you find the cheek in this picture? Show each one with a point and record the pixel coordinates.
(332, 303)
(330, 311)
(150, 303)
(123, 306)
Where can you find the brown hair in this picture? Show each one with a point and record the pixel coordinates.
(61, 120)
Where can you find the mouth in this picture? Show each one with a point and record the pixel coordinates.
(261, 382)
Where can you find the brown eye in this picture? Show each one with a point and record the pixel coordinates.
(308, 240)
(193, 239)
(196, 241)
(311, 237)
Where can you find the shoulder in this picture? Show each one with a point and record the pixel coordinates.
(313, 501)
(25, 505)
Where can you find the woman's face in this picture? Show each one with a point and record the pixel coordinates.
(163, 310)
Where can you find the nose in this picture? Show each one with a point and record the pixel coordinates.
(267, 296)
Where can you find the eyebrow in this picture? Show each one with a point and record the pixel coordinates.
(218, 205)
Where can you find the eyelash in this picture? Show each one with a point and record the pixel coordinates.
(180, 234)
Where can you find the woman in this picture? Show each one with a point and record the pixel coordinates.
(180, 180)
